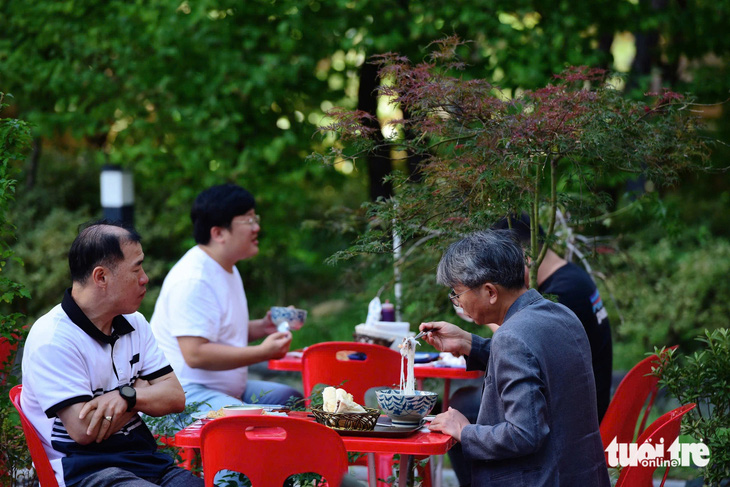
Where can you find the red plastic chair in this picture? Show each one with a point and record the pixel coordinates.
(186, 455)
(269, 449)
(666, 427)
(327, 363)
(46, 476)
(634, 396)
(322, 365)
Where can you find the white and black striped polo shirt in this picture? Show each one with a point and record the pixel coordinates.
(68, 360)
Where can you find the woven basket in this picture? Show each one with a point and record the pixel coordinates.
(348, 421)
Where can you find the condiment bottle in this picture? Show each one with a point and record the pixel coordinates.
(387, 313)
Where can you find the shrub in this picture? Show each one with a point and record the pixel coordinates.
(665, 294)
(704, 378)
(14, 141)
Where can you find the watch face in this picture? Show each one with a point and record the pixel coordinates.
(129, 394)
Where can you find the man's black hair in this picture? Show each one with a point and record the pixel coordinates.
(98, 243)
(216, 207)
(520, 228)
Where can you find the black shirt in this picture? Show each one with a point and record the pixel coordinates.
(575, 289)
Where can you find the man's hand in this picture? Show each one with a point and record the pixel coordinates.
(267, 324)
(446, 337)
(261, 327)
(99, 418)
(449, 423)
(277, 344)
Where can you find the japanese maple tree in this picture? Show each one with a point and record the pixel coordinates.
(488, 155)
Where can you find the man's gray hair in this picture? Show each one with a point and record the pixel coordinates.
(488, 256)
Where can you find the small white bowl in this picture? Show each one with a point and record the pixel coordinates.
(244, 410)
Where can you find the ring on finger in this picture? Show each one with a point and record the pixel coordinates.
(108, 418)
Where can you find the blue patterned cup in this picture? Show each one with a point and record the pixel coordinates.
(295, 317)
(406, 410)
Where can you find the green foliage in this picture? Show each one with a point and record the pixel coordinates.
(415, 474)
(14, 454)
(14, 140)
(195, 93)
(232, 479)
(165, 427)
(704, 378)
(666, 291)
(238, 479)
(47, 217)
(186, 96)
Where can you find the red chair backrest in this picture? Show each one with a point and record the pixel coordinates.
(42, 466)
(269, 449)
(321, 365)
(636, 393)
(666, 428)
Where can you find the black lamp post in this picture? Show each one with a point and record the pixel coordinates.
(117, 194)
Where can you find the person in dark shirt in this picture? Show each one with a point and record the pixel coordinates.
(574, 288)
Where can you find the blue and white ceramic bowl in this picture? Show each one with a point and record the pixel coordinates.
(295, 317)
(406, 410)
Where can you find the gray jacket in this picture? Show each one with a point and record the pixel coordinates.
(537, 423)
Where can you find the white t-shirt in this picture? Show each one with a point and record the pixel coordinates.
(200, 298)
(67, 360)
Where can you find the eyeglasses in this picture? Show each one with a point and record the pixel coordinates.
(251, 220)
(455, 297)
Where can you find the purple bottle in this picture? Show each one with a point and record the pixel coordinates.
(387, 312)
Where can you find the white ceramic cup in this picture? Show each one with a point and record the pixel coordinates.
(293, 317)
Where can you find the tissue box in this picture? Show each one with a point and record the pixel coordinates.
(385, 333)
(399, 328)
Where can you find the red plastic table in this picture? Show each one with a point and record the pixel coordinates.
(293, 362)
(421, 443)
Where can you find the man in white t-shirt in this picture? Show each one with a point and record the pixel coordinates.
(91, 365)
(201, 317)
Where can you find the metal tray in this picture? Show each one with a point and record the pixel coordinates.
(383, 428)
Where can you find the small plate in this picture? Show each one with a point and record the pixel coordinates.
(268, 408)
(279, 408)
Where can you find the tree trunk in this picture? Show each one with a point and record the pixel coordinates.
(379, 161)
(35, 156)
(648, 55)
(415, 160)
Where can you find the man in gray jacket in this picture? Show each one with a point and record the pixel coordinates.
(537, 422)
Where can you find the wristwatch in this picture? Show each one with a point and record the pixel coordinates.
(129, 394)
